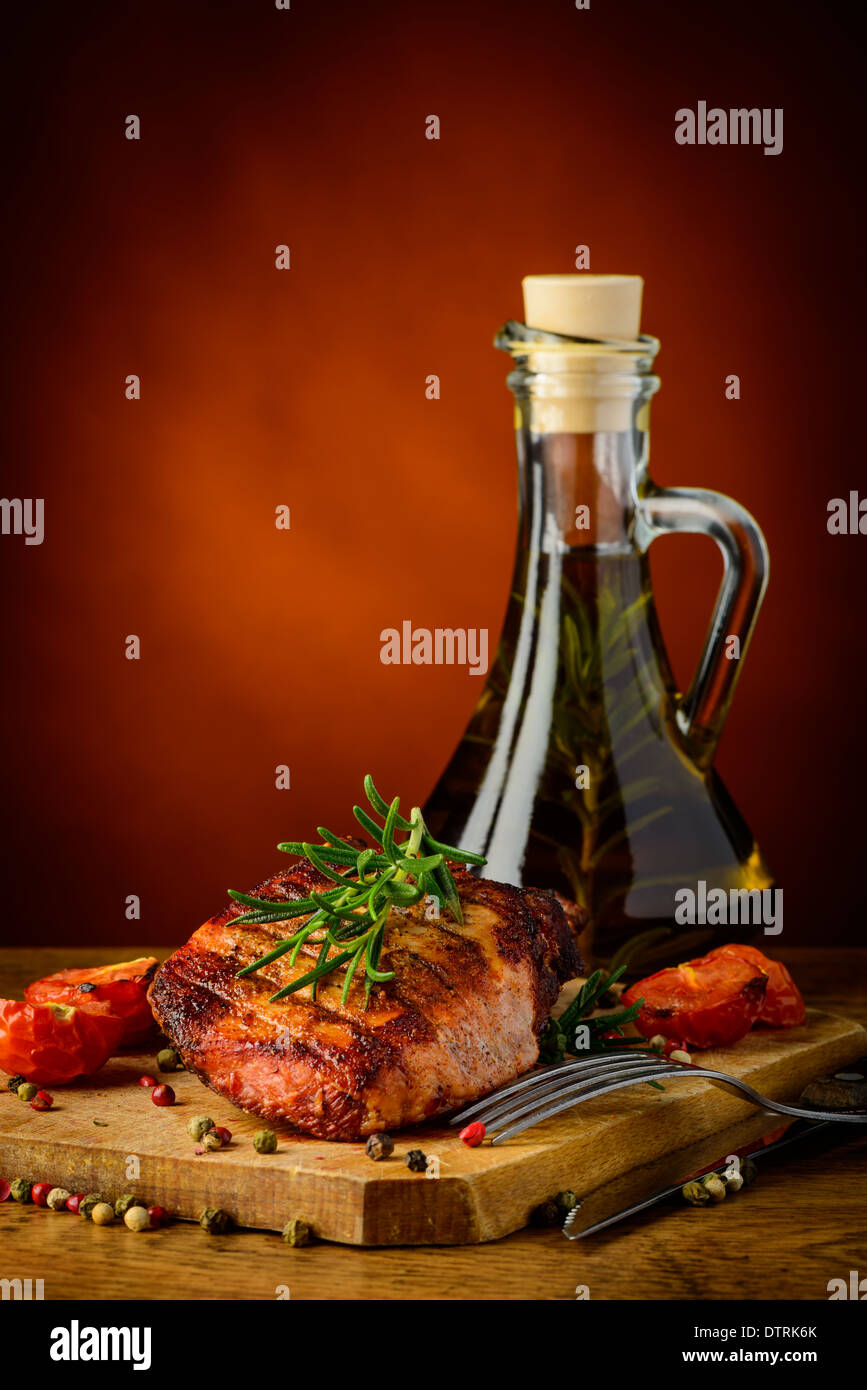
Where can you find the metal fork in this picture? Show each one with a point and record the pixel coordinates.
(547, 1092)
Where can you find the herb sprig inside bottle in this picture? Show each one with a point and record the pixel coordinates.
(348, 922)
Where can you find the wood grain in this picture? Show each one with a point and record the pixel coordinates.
(801, 1224)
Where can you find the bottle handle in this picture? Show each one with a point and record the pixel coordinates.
(702, 711)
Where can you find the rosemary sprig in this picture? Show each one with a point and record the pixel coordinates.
(350, 918)
(558, 1037)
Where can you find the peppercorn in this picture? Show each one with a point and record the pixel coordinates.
(126, 1203)
(5, 1189)
(137, 1219)
(13, 1082)
(734, 1181)
(265, 1141)
(215, 1221)
(379, 1146)
(715, 1187)
(57, 1198)
(199, 1126)
(416, 1161)
(296, 1232)
(678, 1054)
(158, 1217)
(148, 1081)
(42, 1101)
(565, 1202)
(163, 1095)
(39, 1193)
(21, 1190)
(102, 1214)
(224, 1134)
(211, 1140)
(657, 1042)
(749, 1171)
(169, 1060)
(695, 1193)
(26, 1092)
(473, 1134)
(85, 1207)
(546, 1214)
(74, 1202)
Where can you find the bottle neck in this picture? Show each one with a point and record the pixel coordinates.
(582, 420)
(582, 488)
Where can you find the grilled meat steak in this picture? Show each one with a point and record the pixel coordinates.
(462, 1015)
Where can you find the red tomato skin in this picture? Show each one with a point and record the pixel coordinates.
(713, 1011)
(51, 1047)
(119, 989)
(784, 1004)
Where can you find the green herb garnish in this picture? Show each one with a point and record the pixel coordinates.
(559, 1035)
(348, 922)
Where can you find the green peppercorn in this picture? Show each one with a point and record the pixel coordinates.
(715, 1187)
(88, 1203)
(26, 1092)
(296, 1232)
(546, 1214)
(379, 1146)
(169, 1060)
(57, 1198)
(125, 1203)
(265, 1141)
(13, 1082)
(695, 1193)
(215, 1221)
(416, 1161)
(199, 1125)
(21, 1190)
(565, 1202)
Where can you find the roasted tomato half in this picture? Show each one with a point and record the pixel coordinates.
(707, 1002)
(53, 1043)
(784, 1005)
(100, 989)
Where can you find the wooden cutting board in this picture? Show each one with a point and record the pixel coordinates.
(480, 1194)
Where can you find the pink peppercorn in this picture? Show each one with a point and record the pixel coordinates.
(148, 1081)
(163, 1095)
(473, 1134)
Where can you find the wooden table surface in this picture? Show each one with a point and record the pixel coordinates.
(801, 1224)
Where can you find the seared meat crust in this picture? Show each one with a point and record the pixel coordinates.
(461, 1017)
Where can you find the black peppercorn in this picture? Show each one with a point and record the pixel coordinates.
(87, 988)
(15, 1081)
(379, 1146)
(416, 1161)
(546, 1214)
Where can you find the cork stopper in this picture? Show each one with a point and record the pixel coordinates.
(587, 390)
(584, 306)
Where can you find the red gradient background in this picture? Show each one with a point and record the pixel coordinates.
(306, 388)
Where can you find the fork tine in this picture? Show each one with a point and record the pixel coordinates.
(554, 1085)
(573, 1098)
(547, 1074)
(586, 1088)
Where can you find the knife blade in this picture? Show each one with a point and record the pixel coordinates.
(590, 1215)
